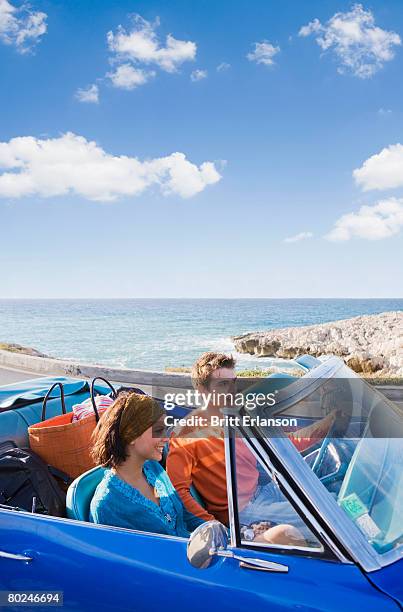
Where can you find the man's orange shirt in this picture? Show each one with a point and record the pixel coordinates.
(201, 462)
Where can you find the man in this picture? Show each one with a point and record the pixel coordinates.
(200, 461)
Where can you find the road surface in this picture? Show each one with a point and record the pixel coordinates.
(9, 376)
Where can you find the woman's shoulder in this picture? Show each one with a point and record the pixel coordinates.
(103, 485)
(102, 494)
(105, 489)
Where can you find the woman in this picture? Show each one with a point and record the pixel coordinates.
(135, 491)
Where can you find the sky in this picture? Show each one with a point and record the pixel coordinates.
(192, 148)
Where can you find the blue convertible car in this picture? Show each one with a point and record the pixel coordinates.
(345, 494)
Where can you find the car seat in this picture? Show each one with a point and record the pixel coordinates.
(81, 492)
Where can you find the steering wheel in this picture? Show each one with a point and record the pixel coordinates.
(332, 461)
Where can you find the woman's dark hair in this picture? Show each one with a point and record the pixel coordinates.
(127, 419)
(109, 449)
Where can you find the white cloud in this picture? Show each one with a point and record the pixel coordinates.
(141, 44)
(70, 164)
(127, 77)
(361, 47)
(376, 222)
(134, 50)
(21, 27)
(90, 94)
(382, 171)
(298, 237)
(263, 53)
(198, 75)
(223, 66)
(384, 112)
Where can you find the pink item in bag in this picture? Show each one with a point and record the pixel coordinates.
(80, 411)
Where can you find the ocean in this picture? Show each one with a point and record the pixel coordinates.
(156, 333)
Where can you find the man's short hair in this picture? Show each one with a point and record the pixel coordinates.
(207, 364)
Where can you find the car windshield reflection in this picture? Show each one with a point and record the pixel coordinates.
(351, 436)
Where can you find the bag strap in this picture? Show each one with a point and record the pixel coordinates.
(6, 446)
(61, 475)
(108, 384)
(45, 400)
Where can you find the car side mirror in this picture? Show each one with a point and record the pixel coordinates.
(204, 543)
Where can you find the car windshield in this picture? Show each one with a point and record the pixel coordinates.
(351, 436)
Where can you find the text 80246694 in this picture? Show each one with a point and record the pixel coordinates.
(31, 598)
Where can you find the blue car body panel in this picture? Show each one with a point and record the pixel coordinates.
(109, 569)
(390, 580)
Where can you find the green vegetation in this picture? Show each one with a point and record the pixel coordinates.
(248, 373)
(177, 369)
(262, 373)
(13, 348)
(374, 380)
(22, 350)
(255, 373)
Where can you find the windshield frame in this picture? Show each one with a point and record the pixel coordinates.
(307, 484)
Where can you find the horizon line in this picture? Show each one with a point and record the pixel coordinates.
(199, 298)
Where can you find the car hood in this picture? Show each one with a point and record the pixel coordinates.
(389, 580)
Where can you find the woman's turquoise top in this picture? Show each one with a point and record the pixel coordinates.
(117, 503)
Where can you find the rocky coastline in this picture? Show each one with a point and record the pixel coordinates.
(369, 344)
(23, 350)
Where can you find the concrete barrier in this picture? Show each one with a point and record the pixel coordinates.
(155, 382)
(59, 367)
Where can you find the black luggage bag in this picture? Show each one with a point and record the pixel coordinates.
(27, 483)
